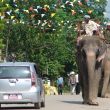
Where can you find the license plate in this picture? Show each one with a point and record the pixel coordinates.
(12, 96)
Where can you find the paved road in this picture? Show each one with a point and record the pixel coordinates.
(73, 102)
(65, 102)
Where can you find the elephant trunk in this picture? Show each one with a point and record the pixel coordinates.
(91, 61)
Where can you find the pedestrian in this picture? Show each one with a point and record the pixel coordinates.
(77, 87)
(60, 84)
(72, 82)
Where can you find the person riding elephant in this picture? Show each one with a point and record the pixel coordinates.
(89, 27)
(91, 50)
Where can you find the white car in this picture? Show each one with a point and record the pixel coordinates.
(20, 82)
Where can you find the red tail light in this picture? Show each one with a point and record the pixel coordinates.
(33, 79)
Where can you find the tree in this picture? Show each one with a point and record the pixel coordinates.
(45, 31)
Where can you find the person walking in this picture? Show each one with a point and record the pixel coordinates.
(77, 88)
(60, 84)
(72, 82)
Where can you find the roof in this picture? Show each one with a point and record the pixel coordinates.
(17, 64)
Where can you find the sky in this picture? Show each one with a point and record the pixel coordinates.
(108, 9)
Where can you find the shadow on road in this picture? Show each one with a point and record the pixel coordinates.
(16, 108)
(73, 102)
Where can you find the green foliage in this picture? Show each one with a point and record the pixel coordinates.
(44, 31)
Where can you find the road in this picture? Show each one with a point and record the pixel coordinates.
(64, 102)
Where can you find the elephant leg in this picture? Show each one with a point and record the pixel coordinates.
(93, 102)
(83, 87)
(81, 81)
(97, 82)
(85, 90)
(105, 85)
(107, 95)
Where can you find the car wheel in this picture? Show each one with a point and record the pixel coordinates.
(43, 104)
(37, 105)
(0, 106)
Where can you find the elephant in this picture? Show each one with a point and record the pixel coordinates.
(104, 90)
(90, 52)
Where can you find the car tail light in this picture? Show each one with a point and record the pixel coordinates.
(33, 79)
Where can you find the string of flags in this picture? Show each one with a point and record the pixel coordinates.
(24, 11)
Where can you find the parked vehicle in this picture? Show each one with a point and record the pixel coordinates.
(20, 83)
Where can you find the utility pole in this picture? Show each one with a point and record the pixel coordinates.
(7, 40)
(47, 69)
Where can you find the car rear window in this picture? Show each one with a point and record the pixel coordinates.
(14, 72)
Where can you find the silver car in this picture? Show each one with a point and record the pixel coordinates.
(20, 83)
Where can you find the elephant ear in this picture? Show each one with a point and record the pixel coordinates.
(102, 50)
(82, 42)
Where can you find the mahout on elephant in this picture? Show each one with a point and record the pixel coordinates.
(90, 53)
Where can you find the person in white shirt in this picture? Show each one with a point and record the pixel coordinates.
(90, 27)
(72, 82)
